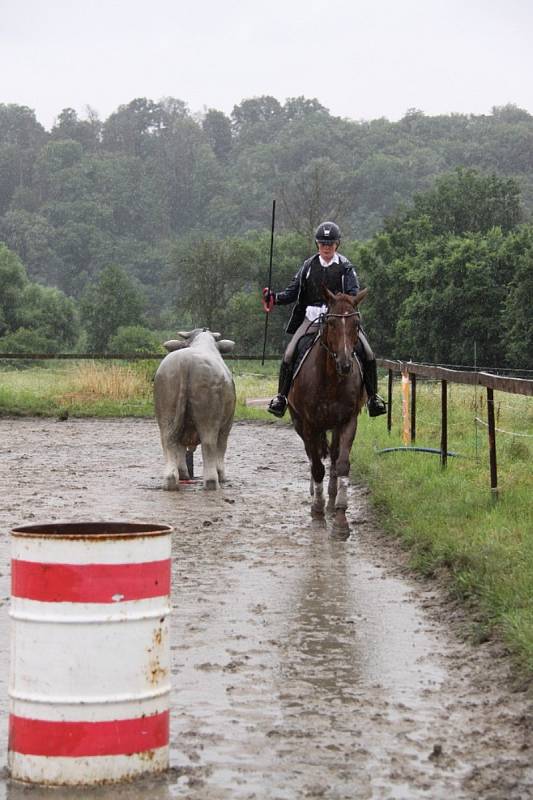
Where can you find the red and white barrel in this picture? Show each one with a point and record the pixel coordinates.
(89, 681)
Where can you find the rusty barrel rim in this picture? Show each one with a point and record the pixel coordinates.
(98, 531)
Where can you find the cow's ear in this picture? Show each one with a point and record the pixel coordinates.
(175, 344)
(225, 346)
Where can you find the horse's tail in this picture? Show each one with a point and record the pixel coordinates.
(324, 446)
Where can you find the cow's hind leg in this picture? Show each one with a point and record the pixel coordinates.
(170, 452)
(210, 459)
(183, 469)
(222, 444)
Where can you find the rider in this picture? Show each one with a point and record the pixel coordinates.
(333, 270)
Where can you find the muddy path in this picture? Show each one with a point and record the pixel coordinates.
(303, 667)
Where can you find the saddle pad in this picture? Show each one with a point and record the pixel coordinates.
(302, 349)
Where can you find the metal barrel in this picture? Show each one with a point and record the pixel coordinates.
(89, 683)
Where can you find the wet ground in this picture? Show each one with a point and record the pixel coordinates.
(303, 667)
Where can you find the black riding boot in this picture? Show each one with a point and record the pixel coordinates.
(375, 404)
(278, 404)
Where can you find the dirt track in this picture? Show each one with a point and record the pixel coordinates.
(303, 667)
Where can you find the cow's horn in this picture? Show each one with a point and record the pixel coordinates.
(225, 345)
(175, 344)
(185, 334)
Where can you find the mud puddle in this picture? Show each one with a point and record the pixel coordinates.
(303, 667)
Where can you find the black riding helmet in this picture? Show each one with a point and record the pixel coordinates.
(327, 233)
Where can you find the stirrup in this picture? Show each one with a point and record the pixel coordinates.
(376, 406)
(277, 405)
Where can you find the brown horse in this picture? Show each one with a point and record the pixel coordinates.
(327, 395)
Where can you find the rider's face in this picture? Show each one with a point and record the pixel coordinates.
(327, 250)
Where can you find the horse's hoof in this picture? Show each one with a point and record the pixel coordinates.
(340, 528)
(317, 513)
(210, 484)
(339, 532)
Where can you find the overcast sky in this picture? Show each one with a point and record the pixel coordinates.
(361, 59)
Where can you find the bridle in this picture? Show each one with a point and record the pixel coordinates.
(322, 320)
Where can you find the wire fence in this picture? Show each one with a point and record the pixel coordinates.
(491, 382)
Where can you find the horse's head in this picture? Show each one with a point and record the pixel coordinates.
(340, 327)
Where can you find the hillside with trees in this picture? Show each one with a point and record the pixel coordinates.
(164, 217)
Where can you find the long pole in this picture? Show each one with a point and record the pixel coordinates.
(269, 284)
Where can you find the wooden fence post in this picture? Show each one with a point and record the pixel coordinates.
(492, 443)
(405, 408)
(444, 425)
(389, 403)
(413, 407)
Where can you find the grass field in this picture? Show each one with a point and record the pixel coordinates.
(448, 518)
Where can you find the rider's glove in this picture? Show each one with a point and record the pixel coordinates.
(269, 299)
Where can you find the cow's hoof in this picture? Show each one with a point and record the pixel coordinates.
(170, 483)
(211, 484)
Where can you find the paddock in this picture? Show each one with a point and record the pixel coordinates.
(302, 666)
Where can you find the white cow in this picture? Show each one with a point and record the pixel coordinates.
(194, 396)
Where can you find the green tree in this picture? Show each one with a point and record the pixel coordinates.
(134, 339)
(205, 274)
(302, 108)
(21, 137)
(112, 301)
(86, 132)
(13, 280)
(255, 112)
(129, 129)
(31, 313)
(456, 301)
(314, 194)
(467, 201)
(31, 237)
(53, 315)
(217, 128)
(517, 321)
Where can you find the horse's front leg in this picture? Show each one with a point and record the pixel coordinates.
(342, 464)
(332, 483)
(314, 448)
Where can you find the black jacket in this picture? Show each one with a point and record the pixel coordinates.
(296, 290)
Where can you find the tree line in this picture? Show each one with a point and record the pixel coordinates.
(156, 217)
